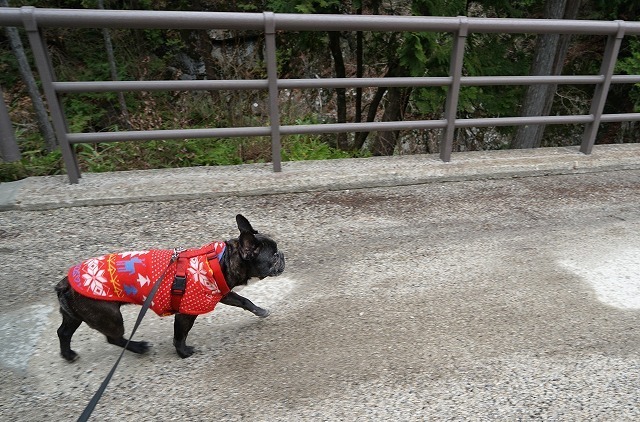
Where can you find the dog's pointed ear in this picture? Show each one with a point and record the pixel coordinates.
(249, 246)
(244, 225)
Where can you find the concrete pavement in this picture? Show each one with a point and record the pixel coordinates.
(493, 297)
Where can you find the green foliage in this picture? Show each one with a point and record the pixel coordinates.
(617, 9)
(310, 147)
(290, 48)
(317, 6)
(9, 74)
(162, 154)
(10, 172)
(413, 55)
(631, 65)
(157, 154)
(429, 101)
(35, 161)
(299, 148)
(85, 112)
(213, 152)
(304, 6)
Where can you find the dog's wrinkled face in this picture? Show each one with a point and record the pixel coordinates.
(259, 252)
(269, 261)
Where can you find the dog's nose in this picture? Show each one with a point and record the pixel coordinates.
(278, 265)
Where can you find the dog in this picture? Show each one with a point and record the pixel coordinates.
(195, 280)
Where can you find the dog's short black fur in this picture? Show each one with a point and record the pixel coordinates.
(250, 255)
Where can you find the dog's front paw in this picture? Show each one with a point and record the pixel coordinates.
(70, 356)
(185, 351)
(262, 313)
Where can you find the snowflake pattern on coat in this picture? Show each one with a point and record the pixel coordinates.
(93, 278)
(130, 276)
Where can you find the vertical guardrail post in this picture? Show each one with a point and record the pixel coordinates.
(272, 77)
(453, 93)
(9, 150)
(600, 95)
(45, 69)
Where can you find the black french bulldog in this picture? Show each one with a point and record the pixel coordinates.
(250, 255)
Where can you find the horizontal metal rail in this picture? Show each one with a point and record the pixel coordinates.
(620, 117)
(76, 138)
(34, 19)
(149, 19)
(132, 86)
(204, 85)
(148, 135)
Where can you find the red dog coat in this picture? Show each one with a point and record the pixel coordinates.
(130, 276)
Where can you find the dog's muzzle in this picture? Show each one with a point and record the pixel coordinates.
(277, 267)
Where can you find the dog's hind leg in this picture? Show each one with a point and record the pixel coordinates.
(114, 331)
(133, 346)
(106, 318)
(103, 316)
(65, 332)
(71, 320)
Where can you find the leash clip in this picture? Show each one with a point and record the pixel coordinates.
(176, 253)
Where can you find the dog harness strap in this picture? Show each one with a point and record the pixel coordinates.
(206, 249)
(213, 252)
(179, 283)
(214, 263)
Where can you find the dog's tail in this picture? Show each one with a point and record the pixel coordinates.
(63, 290)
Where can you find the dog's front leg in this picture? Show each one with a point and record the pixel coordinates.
(234, 299)
(181, 327)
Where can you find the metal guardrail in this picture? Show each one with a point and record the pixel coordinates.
(34, 20)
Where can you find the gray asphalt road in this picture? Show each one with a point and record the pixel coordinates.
(475, 300)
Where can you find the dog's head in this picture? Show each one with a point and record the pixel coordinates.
(259, 253)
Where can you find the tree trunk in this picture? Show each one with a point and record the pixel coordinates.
(114, 71)
(203, 47)
(386, 141)
(338, 62)
(27, 76)
(550, 53)
(361, 137)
